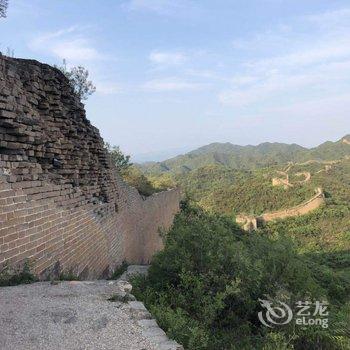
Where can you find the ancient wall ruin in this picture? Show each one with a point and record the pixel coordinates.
(315, 202)
(251, 223)
(62, 204)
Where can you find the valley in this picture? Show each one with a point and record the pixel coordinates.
(292, 242)
(308, 200)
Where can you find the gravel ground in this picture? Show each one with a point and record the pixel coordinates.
(67, 316)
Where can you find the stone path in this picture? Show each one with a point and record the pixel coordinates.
(76, 316)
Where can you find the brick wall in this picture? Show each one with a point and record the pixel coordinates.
(62, 204)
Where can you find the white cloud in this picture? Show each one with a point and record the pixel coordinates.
(335, 17)
(167, 57)
(170, 84)
(241, 80)
(70, 44)
(271, 86)
(316, 65)
(315, 54)
(108, 88)
(204, 74)
(333, 106)
(75, 50)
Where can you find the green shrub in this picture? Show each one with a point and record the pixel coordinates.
(69, 276)
(119, 270)
(204, 287)
(13, 277)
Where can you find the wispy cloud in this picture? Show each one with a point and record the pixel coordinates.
(335, 17)
(76, 50)
(314, 54)
(170, 84)
(71, 44)
(108, 88)
(168, 57)
(312, 69)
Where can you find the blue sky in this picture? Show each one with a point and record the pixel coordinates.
(172, 75)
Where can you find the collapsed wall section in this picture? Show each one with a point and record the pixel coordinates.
(62, 204)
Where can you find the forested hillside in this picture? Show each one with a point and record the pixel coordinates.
(223, 190)
(247, 157)
(204, 287)
(328, 228)
(224, 270)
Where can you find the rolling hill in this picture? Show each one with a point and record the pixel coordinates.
(247, 157)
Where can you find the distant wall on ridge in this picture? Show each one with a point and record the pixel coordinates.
(315, 202)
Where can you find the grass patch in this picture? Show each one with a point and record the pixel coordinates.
(119, 270)
(69, 276)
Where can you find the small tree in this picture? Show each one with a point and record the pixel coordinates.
(135, 178)
(3, 8)
(121, 161)
(78, 78)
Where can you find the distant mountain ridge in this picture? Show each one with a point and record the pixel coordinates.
(248, 157)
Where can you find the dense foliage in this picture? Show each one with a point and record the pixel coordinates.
(135, 178)
(132, 175)
(204, 287)
(121, 161)
(224, 190)
(325, 231)
(13, 277)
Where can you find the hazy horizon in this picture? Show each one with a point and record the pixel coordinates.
(167, 154)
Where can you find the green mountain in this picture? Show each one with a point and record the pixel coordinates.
(329, 150)
(205, 250)
(247, 157)
(228, 191)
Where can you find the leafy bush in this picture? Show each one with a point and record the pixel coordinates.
(119, 270)
(204, 287)
(135, 178)
(121, 161)
(13, 277)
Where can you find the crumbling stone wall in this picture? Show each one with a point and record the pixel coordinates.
(62, 204)
(315, 202)
(251, 223)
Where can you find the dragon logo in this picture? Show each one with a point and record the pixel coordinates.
(275, 315)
